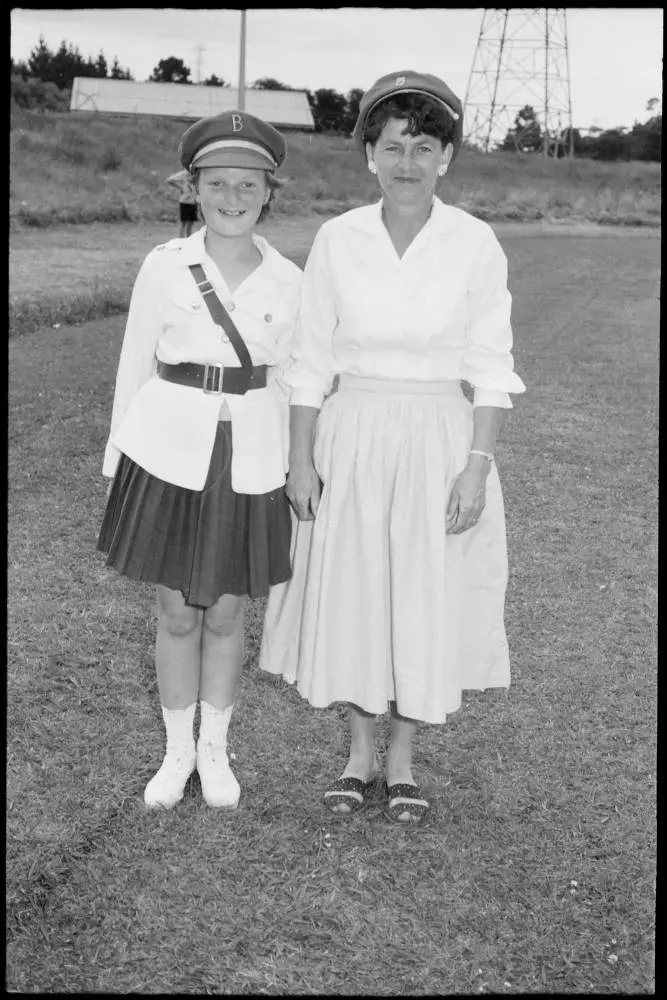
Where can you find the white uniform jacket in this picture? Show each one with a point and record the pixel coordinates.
(170, 429)
(439, 312)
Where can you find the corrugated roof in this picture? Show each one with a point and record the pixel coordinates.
(288, 108)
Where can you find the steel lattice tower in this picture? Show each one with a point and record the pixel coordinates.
(521, 59)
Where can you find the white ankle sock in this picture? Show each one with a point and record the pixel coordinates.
(166, 788)
(218, 782)
(178, 723)
(214, 724)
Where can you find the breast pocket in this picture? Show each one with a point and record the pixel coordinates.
(187, 321)
(191, 305)
(273, 324)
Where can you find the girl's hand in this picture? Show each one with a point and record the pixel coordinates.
(467, 499)
(303, 489)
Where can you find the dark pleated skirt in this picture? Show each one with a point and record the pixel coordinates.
(204, 543)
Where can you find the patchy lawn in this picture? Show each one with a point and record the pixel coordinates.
(537, 872)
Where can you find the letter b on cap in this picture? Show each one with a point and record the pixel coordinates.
(237, 123)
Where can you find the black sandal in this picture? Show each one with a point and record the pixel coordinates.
(354, 792)
(402, 798)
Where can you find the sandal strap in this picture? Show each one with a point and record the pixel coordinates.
(404, 791)
(353, 787)
(403, 794)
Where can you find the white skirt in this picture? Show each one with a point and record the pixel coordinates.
(383, 605)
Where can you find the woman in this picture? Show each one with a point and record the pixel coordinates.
(198, 442)
(397, 594)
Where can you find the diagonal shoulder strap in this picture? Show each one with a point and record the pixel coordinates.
(221, 316)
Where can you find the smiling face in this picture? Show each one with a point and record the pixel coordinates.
(407, 165)
(231, 198)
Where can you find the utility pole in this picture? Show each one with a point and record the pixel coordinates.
(199, 49)
(242, 64)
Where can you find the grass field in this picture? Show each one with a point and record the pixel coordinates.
(86, 272)
(68, 274)
(537, 872)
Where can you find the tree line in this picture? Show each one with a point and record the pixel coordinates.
(55, 71)
(332, 111)
(45, 79)
(641, 142)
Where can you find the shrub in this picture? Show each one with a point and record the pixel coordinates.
(69, 152)
(33, 93)
(111, 160)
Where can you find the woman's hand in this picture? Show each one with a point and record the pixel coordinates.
(303, 490)
(467, 499)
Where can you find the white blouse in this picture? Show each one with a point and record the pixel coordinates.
(170, 429)
(441, 311)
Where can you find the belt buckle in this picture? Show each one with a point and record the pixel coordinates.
(213, 379)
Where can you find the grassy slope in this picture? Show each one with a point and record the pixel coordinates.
(537, 874)
(60, 173)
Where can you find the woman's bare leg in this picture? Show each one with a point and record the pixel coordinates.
(398, 764)
(362, 752)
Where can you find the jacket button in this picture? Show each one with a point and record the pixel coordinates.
(224, 338)
(230, 307)
(268, 317)
(196, 305)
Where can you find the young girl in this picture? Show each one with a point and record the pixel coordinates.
(187, 202)
(198, 442)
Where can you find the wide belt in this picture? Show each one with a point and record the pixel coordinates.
(214, 379)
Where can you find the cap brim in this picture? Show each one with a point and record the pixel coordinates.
(414, 90)
(243, 158)
(363, 117)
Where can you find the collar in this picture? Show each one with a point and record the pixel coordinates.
(443, 219)
(193, 251)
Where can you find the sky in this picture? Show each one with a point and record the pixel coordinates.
(615, 53)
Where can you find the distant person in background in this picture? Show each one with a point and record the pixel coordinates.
(400, 563)
(197, 450)
(187, 202)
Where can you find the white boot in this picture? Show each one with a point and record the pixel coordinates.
(167, 787)
(219, 787)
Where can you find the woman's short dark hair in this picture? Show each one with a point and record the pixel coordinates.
(423, 115)
(272, 182)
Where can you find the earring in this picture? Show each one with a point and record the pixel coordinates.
(442, 170)
(371, 166)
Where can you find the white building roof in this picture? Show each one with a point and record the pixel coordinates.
(287, 108)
